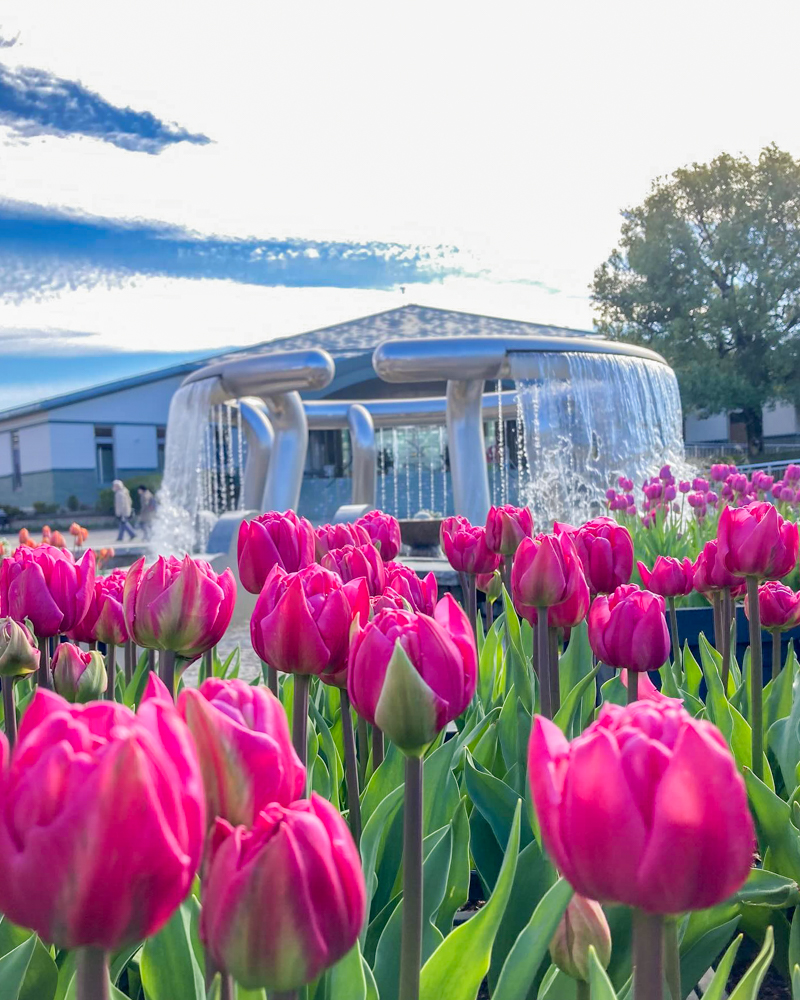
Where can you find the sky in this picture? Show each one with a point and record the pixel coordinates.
(178, 179)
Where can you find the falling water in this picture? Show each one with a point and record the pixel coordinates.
(382, 467)
(240, 456)
(395, 471)
(586, 419)
(443, 460)
(432, 464)
(501, 445)
(174, 528)
(231, 464)
(420, 461)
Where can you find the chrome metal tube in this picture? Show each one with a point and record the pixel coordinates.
(260, 438)
(267, 374)
(365, 455)
(331, 414)
(288, 459)
(468, 449)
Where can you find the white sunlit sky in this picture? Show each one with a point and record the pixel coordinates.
(176, 179)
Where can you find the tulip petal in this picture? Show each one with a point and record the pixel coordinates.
(408, 709)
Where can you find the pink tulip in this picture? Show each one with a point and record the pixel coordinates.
(684, 486)
(388, 599)
(546, 571)
(709, 575)
(411, 674)
(756, 541)
(778, 606)
(605, 549)
(47, 586)
(301, 621)
(646, 808)
(668, 577)
(284, 900)
(465, 547)
(182, 606)
(792, 473)
(78, 676)
(646, 689)
(273, 539)
(336, 536)
(583, 926)
(352, 562)
(384, 532)
(421, 594)
(244, 747)
(490, 584)
(109, 806)
(628, 629)
(567, 614)
(506, 526)
(104, 620)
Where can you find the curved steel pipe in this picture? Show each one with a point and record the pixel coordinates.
(288, 459)
(365, 455)
(260, 439)
(267, 374)
(468, 470)
(331, 414)
(465, 358)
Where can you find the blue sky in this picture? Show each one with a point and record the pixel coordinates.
(174, 184)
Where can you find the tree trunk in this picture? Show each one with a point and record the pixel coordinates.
(754, 425)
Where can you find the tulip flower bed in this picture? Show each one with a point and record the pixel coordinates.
(315, 833)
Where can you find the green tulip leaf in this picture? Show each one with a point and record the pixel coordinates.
(406, 709)
(346, 978)
(168, 966)
(371, 839)
(700, 955)
(522, 964)
(496, 802)
(41, 979)
(457, 889)
(692, 671)
(599, 983)
(784, 738)
(794, 940)
(574, 669)
(716, 988)
(387, 778)
(778, 693)
(332, 760)
(565, 716)
(457, 967)
(776, 831)
(14, 968)
(748, 986)
(766, 888)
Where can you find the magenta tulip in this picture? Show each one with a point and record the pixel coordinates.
(384, 532)
(421, 594)
(273, 539)
(337, 536)
(78, 676)
(47, 586)
(108, 806)
(546, 571)
(411, 674)
(646, 689)
(628, 629)
(506, 526)
(645, 808)
(756, 541)
(284, 900)
(301, 621)
(668, 577)
(567, 614)
(709, 575)
(181, 606)
(244, 747)
(465, 547)
(605, 549)
(104, 620)
(778, 606)
(352, 562)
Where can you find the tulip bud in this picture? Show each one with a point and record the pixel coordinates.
(490, 584)
(47, 586)
(77, 676)
(384, 532)
(605, 549)
(506, 527)
(465, 546)
(546, 571)
(337, 536)
(754, 540)
(18, 653)
(668, 577)
(421, 594)
(354, 561)
(582, 926)
(273, 539)
(778, 606)
(628, 629)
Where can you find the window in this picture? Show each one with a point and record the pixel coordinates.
(16, 462)
(104, 454)
(161, 446)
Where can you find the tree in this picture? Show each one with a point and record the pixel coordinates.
(707, 272)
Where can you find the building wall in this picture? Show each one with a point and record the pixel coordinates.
(700, 429)
(780, 420)
(135, 447)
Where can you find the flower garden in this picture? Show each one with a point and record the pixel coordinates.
(533, 793)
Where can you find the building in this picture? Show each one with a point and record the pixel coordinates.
(70, 447)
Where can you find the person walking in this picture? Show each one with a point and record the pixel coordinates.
(147, 511)
(123, 508)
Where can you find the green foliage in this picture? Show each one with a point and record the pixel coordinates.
(707, 272)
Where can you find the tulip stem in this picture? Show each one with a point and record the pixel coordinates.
(555, 685)
(505, 572)
(43, 642)
(776, 652)
(166, 669)
(756, 678)
(226, 988)
(130, 661)
(363, 750)
(92, 974)
(633, 686)
(728, 609)
(672, 957)
(208, 664)
(648, 956)
(411, 946)
(300, 717)
(676, 642)
(470, 591)
(351, 768)
(377, 748)
(489, 614)
(272, 680)
(716, 603)
(543, 664)
(9, 711)
(111, 670)
(582, 990)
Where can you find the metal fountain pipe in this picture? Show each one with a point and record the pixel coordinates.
(466, 363)
(365, 455)
(331, 414)
(275, 378)
(260, 438)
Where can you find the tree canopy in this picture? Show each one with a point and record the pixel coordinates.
(707, 272)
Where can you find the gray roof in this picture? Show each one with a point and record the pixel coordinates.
(342, 340)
